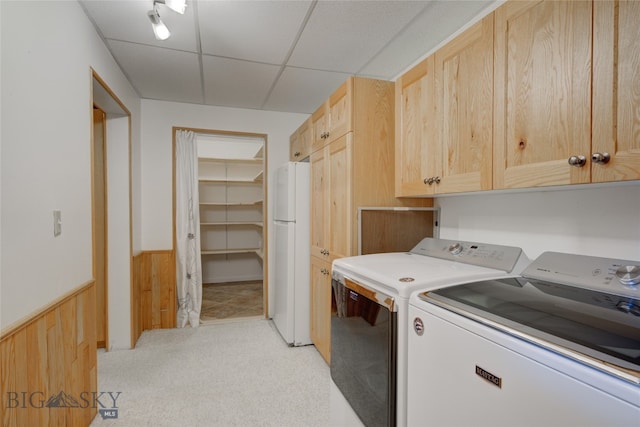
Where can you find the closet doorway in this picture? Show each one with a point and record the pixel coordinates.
(232, 193)
(112, 227)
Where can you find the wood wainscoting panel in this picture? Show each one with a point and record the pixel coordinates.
(49, 374)
(154, 292)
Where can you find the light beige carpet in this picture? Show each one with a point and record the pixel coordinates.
(231, 300)
(239, 373)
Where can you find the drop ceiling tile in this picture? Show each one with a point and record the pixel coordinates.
(343, 35)
(436, 23)
(234, 83)
(261, 31)
(128, 21)
(301, 90)
(157, 73)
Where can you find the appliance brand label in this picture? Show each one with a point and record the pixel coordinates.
(497, 381)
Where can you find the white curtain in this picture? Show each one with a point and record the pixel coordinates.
(189, 266)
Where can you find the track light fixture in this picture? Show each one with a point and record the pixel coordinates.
(160, 30)
(176, 5)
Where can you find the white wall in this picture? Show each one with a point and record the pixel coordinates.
(47, 51)
(586, 220)
(158, 118)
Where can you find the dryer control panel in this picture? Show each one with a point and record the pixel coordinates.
(614, 276)
(498, 257)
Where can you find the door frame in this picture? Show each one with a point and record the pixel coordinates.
(265, 228)
(104, 98)
(95, 159)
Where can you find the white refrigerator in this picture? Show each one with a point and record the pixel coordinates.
(292, 244)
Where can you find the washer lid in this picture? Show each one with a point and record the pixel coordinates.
(402, 273)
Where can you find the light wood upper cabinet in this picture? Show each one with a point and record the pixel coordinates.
(416, 142)
(319, 123)
(542, 113)
(300, 142)
(334, 117)
(616, 90)
(538, 93)
(444, 118)
(340, 111)
(464, 119)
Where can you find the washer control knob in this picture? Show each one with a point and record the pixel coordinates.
(629, 275)
(455, 248)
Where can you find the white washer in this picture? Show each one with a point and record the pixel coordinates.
(371, 327)
(559, 346)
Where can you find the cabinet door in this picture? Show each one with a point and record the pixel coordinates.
(339, 208)
(305, 135)
(319, 127)
(294, 147)
(542, 113)
(416, 145)
(300, 142)
(320, 203)
(339, 106)
(464, 91)
(616, 90)
(321, 307)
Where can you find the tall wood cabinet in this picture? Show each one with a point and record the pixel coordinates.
(351, 166)
(444, 118)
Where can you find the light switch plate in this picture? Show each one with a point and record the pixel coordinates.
(57, 223)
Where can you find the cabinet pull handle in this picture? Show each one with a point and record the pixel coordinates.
(577, 161)
(601, 158)
(296, 154)
(431, 180)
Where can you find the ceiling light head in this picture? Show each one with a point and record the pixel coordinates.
(176, 5)
(159, 29)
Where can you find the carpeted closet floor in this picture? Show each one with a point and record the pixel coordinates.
(231, 300)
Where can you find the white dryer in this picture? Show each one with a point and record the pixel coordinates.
(369, 330)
